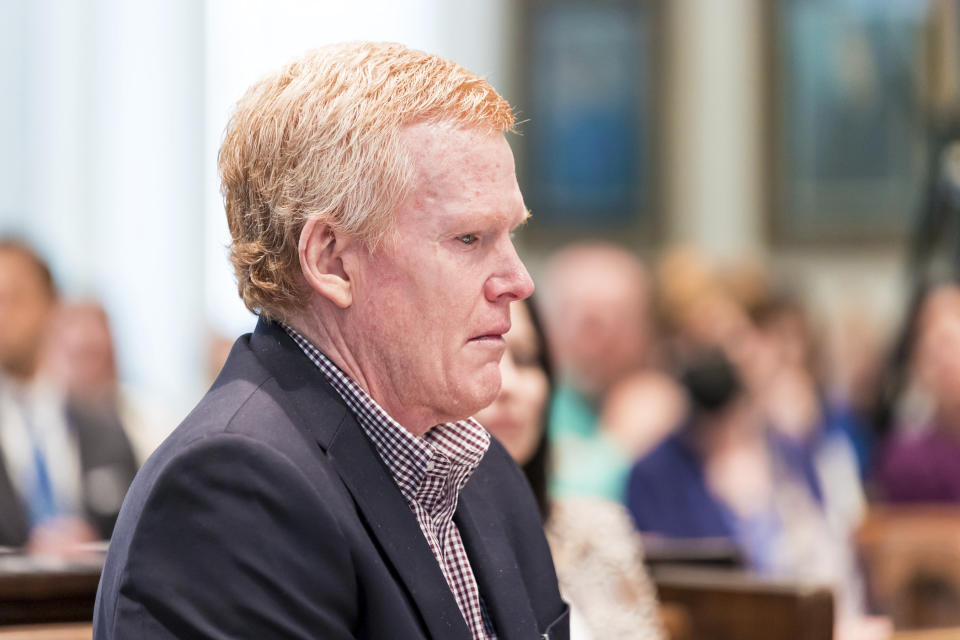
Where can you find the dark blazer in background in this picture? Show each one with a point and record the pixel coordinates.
(268, 514)
(107, 465)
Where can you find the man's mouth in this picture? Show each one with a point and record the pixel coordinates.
(488, 336)
(495, 335)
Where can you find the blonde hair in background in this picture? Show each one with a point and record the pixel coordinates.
(320, 137)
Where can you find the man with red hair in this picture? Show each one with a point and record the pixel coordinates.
(332, 483)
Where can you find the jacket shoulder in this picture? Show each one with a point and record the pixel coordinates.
(231, 511)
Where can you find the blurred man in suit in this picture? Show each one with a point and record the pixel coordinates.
(332, 484)
(64, 468)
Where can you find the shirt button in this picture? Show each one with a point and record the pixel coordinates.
(429, 465)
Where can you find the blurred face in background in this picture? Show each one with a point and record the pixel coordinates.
(937, 354)
(79, 354)
(26, 302)
(598, 317)
(516, 417)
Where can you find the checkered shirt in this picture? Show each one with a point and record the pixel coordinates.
(430, 471)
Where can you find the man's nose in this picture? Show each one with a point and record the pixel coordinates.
(511, 280)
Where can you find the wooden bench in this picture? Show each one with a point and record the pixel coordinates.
(721, 604)
(36, 590)
(77, 631)
(929, 634)
(911, 554)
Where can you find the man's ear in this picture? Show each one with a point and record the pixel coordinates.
(321, 252)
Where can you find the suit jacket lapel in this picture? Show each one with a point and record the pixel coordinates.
(391, 521)
(387, 515)
(495, 566)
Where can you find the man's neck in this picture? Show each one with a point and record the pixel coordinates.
(334, 346)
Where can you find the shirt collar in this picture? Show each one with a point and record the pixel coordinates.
(407, 457)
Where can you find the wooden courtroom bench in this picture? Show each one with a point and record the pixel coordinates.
(722, 604)
(47, 591)
(701, 552)
(930, 634)
(911, 554)
(78, 631)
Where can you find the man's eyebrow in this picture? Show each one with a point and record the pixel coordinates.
(527, 214)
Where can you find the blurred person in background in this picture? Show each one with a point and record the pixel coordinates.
(853, 373)
(79, 356)
(597, 552)
(751, 460)
(766, 334)
(598, 319)
(641, 410)
(791, 393)
(28, 297)
(65, 463)
(720, 475)
(79, 360)
(920, 460)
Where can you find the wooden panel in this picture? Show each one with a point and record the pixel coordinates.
(48, 632)
(912, 557)
(38, 590)
(733, 605)
(931, 634)
(702, 552)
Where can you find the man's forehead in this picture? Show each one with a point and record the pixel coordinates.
(426, 141)
(462, 171)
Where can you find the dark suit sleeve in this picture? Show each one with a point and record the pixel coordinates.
(234, 542)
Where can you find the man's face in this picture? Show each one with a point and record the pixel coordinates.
(431, 304)
(25, 307)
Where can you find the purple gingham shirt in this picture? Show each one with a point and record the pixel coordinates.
(430, 472)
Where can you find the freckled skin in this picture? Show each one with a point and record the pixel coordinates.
(424, 300)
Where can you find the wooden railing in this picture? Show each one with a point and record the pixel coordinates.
(723, 604)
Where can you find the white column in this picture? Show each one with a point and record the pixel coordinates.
(49, 78)
(13, 59)
(713, 107)
(146, 150)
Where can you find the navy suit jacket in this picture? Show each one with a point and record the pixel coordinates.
(268, 514)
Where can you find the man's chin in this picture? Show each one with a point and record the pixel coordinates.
(478, 396)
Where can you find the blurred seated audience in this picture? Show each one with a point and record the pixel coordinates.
(920, 461)
(726, 474)
(853, 362)
(758, 459)
(641, 410)
(597, 553)
(718, 475)
(791, 392)
(597, 314)
(767, 337)
(65, 461)
(78, 355)
(79, 360)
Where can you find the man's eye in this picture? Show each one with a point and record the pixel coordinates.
(467, 238)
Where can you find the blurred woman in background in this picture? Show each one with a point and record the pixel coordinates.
(919, 461)
(597, 553)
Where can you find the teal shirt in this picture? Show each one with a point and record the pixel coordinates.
(585, 461)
